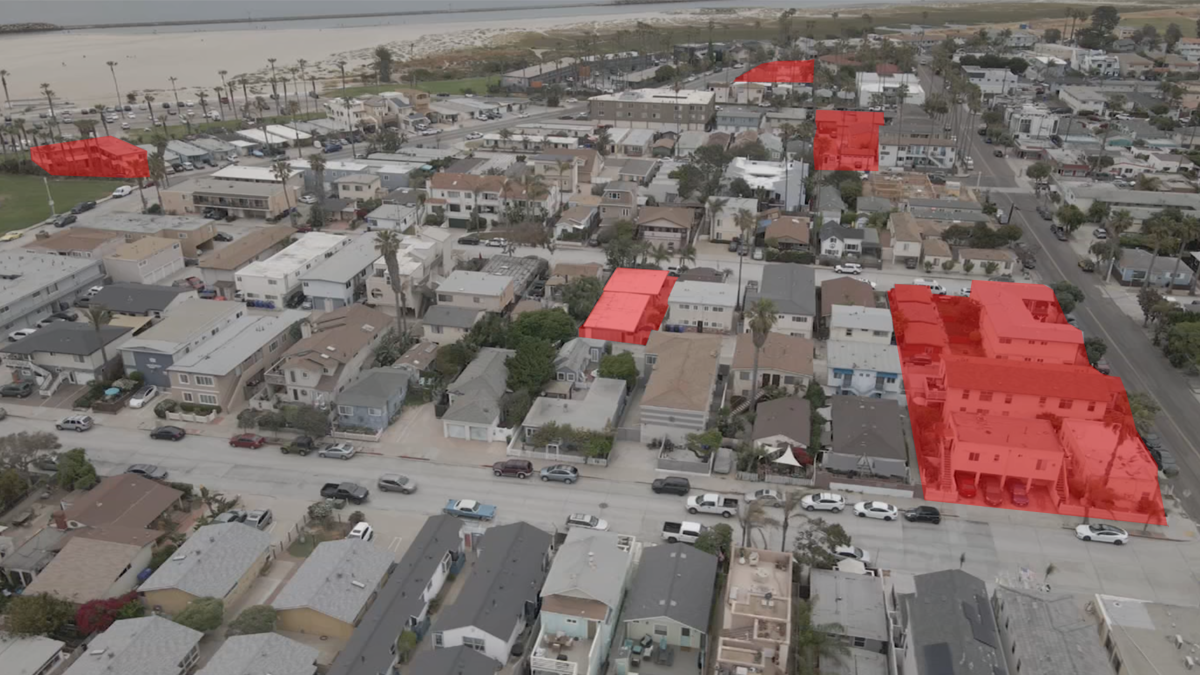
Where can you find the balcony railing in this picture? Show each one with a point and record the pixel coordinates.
(545, 665)
(275, 378)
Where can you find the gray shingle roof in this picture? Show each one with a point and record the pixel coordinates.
(855, 601)
(867, 427)
(675, 581)
(452, 661)
(1053, 634)
(829, 199)
(791, 287)
(63, 337)
(831, 229)
(788, 416)
(150, 645)
(369, 650)
(211, 561)
(589, 563)
(374, 387)
(952, 628)
(508, 574)
(451, 316)
(263, 654)
(137, 298)
(478, 389)
(337, 580)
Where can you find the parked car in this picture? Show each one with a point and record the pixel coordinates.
(671, 485)
(686, 531)
(123, 191)
(966, 487)
(1045, 213)
(74, 423)
(733, 246)
(469, 508)
(148, 471)
(352, 492)
(308, 199)
(824, 501)
(394, 482)
(261, 518)
(231, 516)
(1100, 233)
(768, 496)
(223, 236)
(1018, 494)
(587, 522)
(21, 334)
(992, 494)
(848, 268)
(83, 206)
(521, 468)
(1109, 534)
(923, 514)
(301, 445)
(143, 396)
(853, 553)
(168, 433)
(17, 390)
(878, 510)
(469, 240)
(497, 242)
(362, 531)
(65, 220)
(563, 473)
(998, 152)
(337, 451)
(758, 254)
(252, 441)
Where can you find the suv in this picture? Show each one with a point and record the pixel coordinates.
(260, 519)
(301, 445)
(521, 468)
(17, 389)
(673, 485)
(74, 423)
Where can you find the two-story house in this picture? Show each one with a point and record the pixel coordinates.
(723, 214)
(669, 226)
(67, 351)
(575, 366)
(792, 289)
(840, 241)
(784, 361)
(155, 350)
(1019, 389)
(488, 197)
(864, 369)
(1023, 322)
(500, 596)
(581, 603)
(862, 324)
(679, 399)
(476, 290)
(906, 237)
(702, 307)
(318, 367)
(619, 202)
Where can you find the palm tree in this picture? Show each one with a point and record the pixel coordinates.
(1160, 231)
(301, 65)
(745, 221)
(4, 81)
(316, 162)
(103, 120)
(760, 319)
(246, 95)
(98, 316)
(175, 91)
(901, 95)
(716, 206)
(346, 102)
(791, 507)
(387, 242)
(112, 67)
(754, 517)
(49, 93)
(562, 166)
(274, 90)
(221, 95)
(687, 253)
(1118, 222)
(1147, 183)
(660, 254)
(203, 96)
(283, 171)
(813, 642)
(1188, 231)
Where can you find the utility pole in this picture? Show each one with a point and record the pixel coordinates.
(49, 197)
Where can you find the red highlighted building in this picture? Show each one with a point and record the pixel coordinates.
(1006, 411)
(847, 140)
(104, 157)
(780, 72)
(633, 305)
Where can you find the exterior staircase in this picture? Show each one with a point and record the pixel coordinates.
(947, 470)
(745, 405)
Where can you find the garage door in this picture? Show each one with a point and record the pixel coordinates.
(456, 430)
(479, 434)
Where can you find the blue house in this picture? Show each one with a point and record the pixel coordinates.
(373, 399)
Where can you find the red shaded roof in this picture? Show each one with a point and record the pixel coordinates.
(644, 282)
(1052, 380)
(887, 69)
(780, 71)
(618, 311)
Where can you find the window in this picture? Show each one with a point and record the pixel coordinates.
(437, 640)
(685, 632)
(183, 379)
(345, 410)
(1041, 465)
(1042, 401)
(208, 399)
(966, 394)
(860, 642)
(660, 630)
(1008, 398)
(985, 396)
(204, 380)
(849, 332)
(744, 375)
(1065, 404)
(651, 359)
(187, 396)
(474, 643)
(1091, 406)
(974, 457)
(374, 412)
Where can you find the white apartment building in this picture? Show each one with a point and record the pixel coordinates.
(277, 277)
(991, 81)
(1099, 62)
(1079, 99)
(665, 109)
(38, 284)
(781, 184)
(870, 84)
(341, 279)
(723, 223)
(1032, 121)
(1188, 48)
(916, 153)
(422, 259)
(462, 195)
(702, 306)
(145, 261)
(347, 114)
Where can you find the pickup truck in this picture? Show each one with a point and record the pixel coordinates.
(686, 532)
(352, 492)
(469, 508)
(721, 505)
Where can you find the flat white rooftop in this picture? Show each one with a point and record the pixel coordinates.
(256, 174)
(683, 96)
(308, 250)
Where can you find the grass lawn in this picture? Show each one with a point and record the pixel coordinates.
(23, 198)
(302, 548)
(478, 85)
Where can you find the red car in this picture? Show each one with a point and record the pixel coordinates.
(247, 441)
(993, 495)
(1018, 494)
(966, 487)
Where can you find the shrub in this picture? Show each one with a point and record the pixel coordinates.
(164, 406)
(162, 555)
(320, 512)
(137, 376)
(185, 488)
(202, 614)
(255, 620)
(357, 517)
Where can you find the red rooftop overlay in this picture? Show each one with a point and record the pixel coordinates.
(104, 157)
(780, 72)
(847, 140)
(1007, 412)
(633, 305)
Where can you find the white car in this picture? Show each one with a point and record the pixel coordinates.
(362, 531)
(848, 268)
(429, 132)
(21, 334)
(871, 283)
(880, 510)
(123, 191)
(337, 451)
(497, 242)
(853, 553)
(1108, 534)
(308, 199)
(768, 496)
(523, 115)
(824, 501)
(572, 100)
(124, 125)
(474, 135)
(143, 396)
(584, 521)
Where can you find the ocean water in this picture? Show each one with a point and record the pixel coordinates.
(100, 12)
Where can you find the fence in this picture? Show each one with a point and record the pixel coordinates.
(695, 466)
(795, 481)
(191, 417)
(351, 436)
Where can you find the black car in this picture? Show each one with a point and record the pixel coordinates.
(937, 179)
(17, 390)
(671, 485)
(65, 220)
(469, 240)
(223, 236)
(83, 206)
(168, 433)
(66, 315)
(923, 514)
(1045, 213)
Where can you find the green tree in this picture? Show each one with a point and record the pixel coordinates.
(1096, 348)
(717, 538)
(1051, 35)
(12, 487)
(40, 614)
(308, 419)
(406, 644)
(98, 316)
(531, 366)
(1038, 171)
(552, 325)
(754, 516)
(1070, 217)
(1182, 346)
(387, 242)
(791, 507)
(761, 319)
(815, 543)
(1068, 295)
(254, 620)
(1144, 409)
(620, 367)
(75, 472)
(1098, 212)
(202, 614)
(814, 643)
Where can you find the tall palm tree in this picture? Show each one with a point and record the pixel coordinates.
(158, 172)
(760, 319)
(814, 642)
(203, 96)
(49, 94)
(1188, 231)
(4, 81)
(745, 222)
(660, 254)
(346, 102)
(301, 65)
(182, 116)
(225, 87)
(716, 206)
(790, 507)
(1118, 222)
(686, 253)
(112, 67)
(283, 171)
(316, 162)
(387, 242)
(19, 126)
(1160, 231)
(901, 96)
(103, 120)
(274, 81)
(98, 316)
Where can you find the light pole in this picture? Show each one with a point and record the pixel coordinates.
(49, 197)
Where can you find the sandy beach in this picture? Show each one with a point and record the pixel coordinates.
(74, 63)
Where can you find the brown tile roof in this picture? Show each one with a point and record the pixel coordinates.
(242, 250)
(905, 226)
(144, 248)
(127, 500)
(985, 254)
(337, 337)
(679, 216)
(845, 291)
(85, 569)
(936, 248)
(568, 271)
(472, 183)
(781, 352)
(790, 227)
(684, 372)
(587, 155)
(74, 240)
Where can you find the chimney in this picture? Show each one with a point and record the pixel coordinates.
(60, 520)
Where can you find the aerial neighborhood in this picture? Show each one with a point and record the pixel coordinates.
(630, 364)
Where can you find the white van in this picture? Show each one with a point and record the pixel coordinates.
(934, 286)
